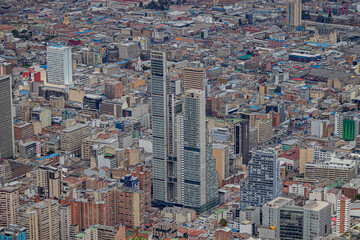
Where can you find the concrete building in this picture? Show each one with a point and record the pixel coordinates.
(41, 219)
(264, 181)
(113, 90)
(264, 128)
(193, 78)
(9, 205)
(271, 213)
(59, 65)
(72, 137)
(128, 50)
(93, 102)
(166, 228)
(220, 135)
(23, 131)
(48, 182)
(42, 115)
(65, 222)
(307, 222)
(294, 11)
(332, 169)
(221, 153)
(200, 175)
(28, 150)
(6, 119)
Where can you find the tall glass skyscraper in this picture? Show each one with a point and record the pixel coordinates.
(184, 171)
(6, 118)
(264, 181)
(59, 65)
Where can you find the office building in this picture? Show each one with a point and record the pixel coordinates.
(28, 150)
(220, 135)
(128, 50)
(163, 190)
(332, 169)
(271, 213)
(343, 215)
(278, 107)
(193, 78)
(13, 232)
(264, 181)
(42, 115)
(221, 153)
(93, 102)
(72, 137)
(41, 220)
(23, 131)
(9, 205)
(242, 140)
(48, 182)
(59, 65)
(200, 175)
(6, 118)
(307, 222)
(264, 130)
(113, 90)
(294, 12)
(65, 222)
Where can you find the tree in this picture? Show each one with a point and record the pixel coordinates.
(142, 56)
(223, 222)
(357, 196)
(15, 33)
(140, 4)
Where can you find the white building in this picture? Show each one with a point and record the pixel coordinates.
(59, 65)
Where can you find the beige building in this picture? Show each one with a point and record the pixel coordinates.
(71, 137)
(221, 153)
(65, 222)
(5, 170)
(306, 156)
(193, 78)
(332, 169)
(264, 130)
(41, 219)
(128, 50)
(9, 205)
(48, 182)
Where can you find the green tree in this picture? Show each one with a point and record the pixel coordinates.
(142, 56)
(15, 33)
(223, 222)
(357, 196)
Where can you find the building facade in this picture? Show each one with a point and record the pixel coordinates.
(6, 119)
(59, 65)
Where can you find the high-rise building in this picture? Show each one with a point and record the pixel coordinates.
(221, 153)
(144, 175)
(194, 78)
(242, 139)
(200, 175)
(343, 214)
(48, 182)
(59, 65)
(184, 171)
(159, 109)
(278, 107)
(13, 232)
(264, 127)
(271, 213)
(294, 12)
(41, 219)
(264, 181)
(9, 205)
(6, 118)
(65, 222)
(72, 137)
(307, 222)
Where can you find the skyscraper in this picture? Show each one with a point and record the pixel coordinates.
(194, 78)
(65, 222)
(59, 65)
(200, 175)
(294, 11)
(41, 219)
(343, 214)
(9, 204)
(6, 118)
(48, 182)
(264, 181)
(241, 139)
(159, 109)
